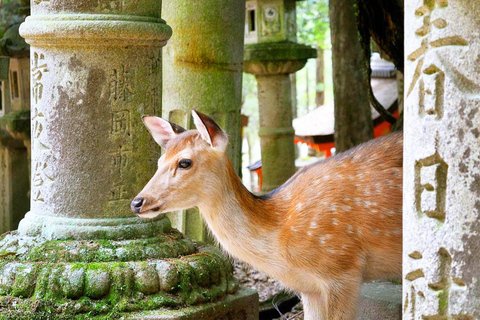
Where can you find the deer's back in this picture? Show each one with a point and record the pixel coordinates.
(344, 214)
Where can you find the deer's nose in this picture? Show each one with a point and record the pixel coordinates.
(137, 204)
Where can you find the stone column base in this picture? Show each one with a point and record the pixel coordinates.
(380, 301)
(107, 279)
(240, 306)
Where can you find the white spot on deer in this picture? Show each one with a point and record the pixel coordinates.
(359, 231)
(293, 229)
(346, 208)
(327, 236)
(333, 208)
(387, 234)
(335, 222)
(374, 211)
(397, 231)
(313, 224)
(299, 206)
(357, 201)
(389, 212)
(349, 228)
(309, 233)
(322, 240)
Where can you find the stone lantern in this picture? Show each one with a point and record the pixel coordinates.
(272, 54)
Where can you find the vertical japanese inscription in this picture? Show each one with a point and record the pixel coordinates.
(121, 90)
(430, 78)
(42, 172)
(121, 84)
(153, 95)
(39, 67)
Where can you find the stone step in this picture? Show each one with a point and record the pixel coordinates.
(380, 301)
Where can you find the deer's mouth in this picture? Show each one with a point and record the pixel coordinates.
(150, 213)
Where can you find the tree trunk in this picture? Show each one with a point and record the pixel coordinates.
(353, 119)
(320, 85)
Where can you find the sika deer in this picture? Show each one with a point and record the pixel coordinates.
(332, 226)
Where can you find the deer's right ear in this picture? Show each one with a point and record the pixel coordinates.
(161, 130)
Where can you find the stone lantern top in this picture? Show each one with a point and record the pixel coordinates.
(270, 21)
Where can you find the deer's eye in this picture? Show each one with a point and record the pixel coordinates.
(185, 163)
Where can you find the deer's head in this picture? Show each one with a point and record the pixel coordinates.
(186, 169)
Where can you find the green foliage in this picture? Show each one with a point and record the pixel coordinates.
(313, 23)
(12, 12)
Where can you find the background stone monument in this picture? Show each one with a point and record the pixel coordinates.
(442, 160)
(272, 54)
(79, 253)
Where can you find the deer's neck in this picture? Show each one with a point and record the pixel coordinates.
(246, 226)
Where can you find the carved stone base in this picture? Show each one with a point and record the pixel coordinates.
(240, 306)
(89, 278)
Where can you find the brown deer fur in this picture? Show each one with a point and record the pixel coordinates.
(333, 225)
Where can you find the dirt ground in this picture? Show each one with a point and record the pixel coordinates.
(265, 286)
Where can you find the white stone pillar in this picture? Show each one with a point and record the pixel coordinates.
(442, 160)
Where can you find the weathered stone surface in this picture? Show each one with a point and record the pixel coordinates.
(90, 151)
(89, 276)
(202, 70)
(380, 301)
(442, 160)
(241, 306)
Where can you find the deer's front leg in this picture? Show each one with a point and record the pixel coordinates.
(343, 300)
(314, 306)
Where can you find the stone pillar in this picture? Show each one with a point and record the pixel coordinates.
(272, 63)
(202, 70)
(90, 152)
(442, 160)
(79, 252)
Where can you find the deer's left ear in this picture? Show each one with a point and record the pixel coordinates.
(161, 130)
(210, 131)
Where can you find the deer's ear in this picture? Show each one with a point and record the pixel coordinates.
(161, 130)
(210, 131)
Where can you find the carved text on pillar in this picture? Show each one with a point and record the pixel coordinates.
(430, 78)
(444, 287)
(121, 85)
(39, 67)
(431, 186)
(413, 296)
(41, 166)
(153, 97)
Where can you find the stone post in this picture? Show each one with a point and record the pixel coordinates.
(442, 160)
(79, 252)
(272, 55)
(202, 70)
(272, 64)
